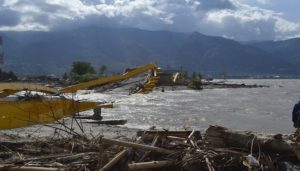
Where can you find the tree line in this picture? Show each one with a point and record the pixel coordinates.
(84, 71)
(7, 76)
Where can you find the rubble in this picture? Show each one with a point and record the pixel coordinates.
(218, 149)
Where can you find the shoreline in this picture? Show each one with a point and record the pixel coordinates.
(176, 150)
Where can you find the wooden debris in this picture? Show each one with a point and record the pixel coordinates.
(154, 142)
(183, 134)
(150, 165)
(137, 146)
(218, 136)
(221, 149)
(26, 168)
(209, 165)
(176, 138)
(113, 161)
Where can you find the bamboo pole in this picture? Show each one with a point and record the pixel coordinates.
(137, 146)
(150, 165)
(27, 168)
(176, 138)
(115, 160)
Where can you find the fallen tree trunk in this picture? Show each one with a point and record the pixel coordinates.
(222, 137)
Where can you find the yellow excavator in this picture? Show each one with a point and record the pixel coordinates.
(31, 109)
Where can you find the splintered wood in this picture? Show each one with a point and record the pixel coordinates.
(220, 149)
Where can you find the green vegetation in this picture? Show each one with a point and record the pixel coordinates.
(82, 68)
(7, 76)
(195, 82)
(102, 70)
(83, 71)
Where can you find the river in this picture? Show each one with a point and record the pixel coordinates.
(266, 110)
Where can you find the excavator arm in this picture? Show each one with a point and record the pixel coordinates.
(37, 110)
(110, 79)
(7, 89)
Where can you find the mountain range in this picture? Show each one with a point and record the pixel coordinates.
(53, 52)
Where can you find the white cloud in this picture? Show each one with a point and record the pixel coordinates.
(264, 1)
(249, 23)
(227, 18)
(26, 27)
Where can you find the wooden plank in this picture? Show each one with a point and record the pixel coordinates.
(115, 160)
(150, 165)
(27, 168)
(137, 146)
(183, 134)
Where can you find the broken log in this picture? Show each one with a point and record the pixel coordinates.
(209, 165)
(137, 146)
(183, 134)
(74, 157)
(115, 160)
(154, 142)
(27, 168)
(222, 137)
(190, 140)
(150, 165)
(42, 158)
(296, 148)
(176, 138)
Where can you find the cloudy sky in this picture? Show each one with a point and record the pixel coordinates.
(243, 20)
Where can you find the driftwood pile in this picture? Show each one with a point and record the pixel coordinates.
(218, 148)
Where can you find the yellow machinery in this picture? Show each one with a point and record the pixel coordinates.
(7, 89)
(114, 78)
(38, 109)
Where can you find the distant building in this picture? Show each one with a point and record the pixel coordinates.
(1, 51)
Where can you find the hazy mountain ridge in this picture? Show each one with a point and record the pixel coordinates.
(286, 49)
(53, 52)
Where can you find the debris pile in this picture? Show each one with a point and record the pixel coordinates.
(211, 85)
(218, 148)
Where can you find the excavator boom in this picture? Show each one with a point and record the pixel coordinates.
(44, 109)
(109, 79)
(7, 89)
(15, 114)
